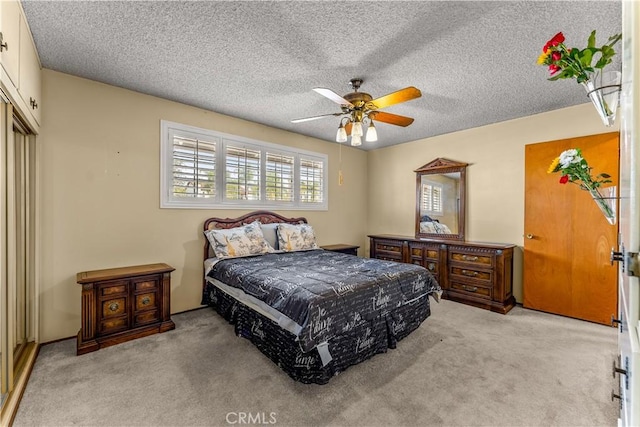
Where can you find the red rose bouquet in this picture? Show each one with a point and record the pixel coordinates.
(566, 63)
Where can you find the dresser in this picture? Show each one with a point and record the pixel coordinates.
(121, 304)
(478, 274)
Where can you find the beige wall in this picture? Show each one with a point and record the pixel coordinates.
(99, 198)
(495, 176)
(99, 193)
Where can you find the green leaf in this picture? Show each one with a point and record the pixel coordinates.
(592, 39)
(586, 58)
(614, 39)
(605, 175)
(564, 74)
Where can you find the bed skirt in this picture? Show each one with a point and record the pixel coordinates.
(358, 342)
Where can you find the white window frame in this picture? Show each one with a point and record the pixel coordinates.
(168, 200)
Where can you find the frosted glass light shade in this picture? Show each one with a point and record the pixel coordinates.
(372, 133)
(356, 130)
(341, 136)
(356, 140)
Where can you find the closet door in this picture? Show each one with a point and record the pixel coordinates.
(17, 250)
(568, 241)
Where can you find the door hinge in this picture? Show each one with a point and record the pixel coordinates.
(632, 264)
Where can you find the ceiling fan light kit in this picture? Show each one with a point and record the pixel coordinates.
(360, 108)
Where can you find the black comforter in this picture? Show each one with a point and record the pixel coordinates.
(326, 293)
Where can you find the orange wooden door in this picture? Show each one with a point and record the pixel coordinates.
(568, 241)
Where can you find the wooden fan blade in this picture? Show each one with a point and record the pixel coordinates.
(307, 119)
(333, 96)
(406, 94)
(393, 119)
(348, 127)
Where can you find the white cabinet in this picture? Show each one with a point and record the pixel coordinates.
(10, 29)
(29, 87)
(20, 79)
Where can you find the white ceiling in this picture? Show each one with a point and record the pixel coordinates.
(475, 62)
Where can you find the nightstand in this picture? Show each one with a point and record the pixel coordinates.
(121, 304)
(345, 249)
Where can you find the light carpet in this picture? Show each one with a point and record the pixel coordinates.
(462, 367)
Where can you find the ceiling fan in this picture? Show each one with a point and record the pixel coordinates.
(358, 107)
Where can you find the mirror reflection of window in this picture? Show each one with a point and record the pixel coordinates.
(432, 198)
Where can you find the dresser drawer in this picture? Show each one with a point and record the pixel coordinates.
(432, 266)
(388, 250)
(471, 275)
(471, 257)
(423, 252)
(476, 290)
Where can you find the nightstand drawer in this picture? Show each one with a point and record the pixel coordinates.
(467, 289)
(146, 317)
(146, 301)
(113, 325)
(145, 285)
(113, 307)
(113, 288)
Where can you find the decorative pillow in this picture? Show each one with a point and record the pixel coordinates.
(298, 237)
(238, 241)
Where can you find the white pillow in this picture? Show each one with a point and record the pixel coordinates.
(270, 234)
(298, 237)
(238, 241)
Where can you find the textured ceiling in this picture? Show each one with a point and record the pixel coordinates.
(475, 62)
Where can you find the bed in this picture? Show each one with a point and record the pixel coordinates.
(313, 312)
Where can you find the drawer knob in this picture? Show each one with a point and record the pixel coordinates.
(469, 258)
(3, 44)
(431, 266)
(469, 273)
(470, 288)
(146, 300)
(114, 306)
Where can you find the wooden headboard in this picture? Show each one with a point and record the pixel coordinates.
(265, 217)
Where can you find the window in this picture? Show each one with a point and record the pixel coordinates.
(206, 169)
(432, 198)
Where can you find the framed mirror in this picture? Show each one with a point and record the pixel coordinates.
(440, 200)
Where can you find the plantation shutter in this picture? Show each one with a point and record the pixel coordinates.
(194, 167)
(311, 180)
(279, 177)
(436, 202)
(242, 173)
